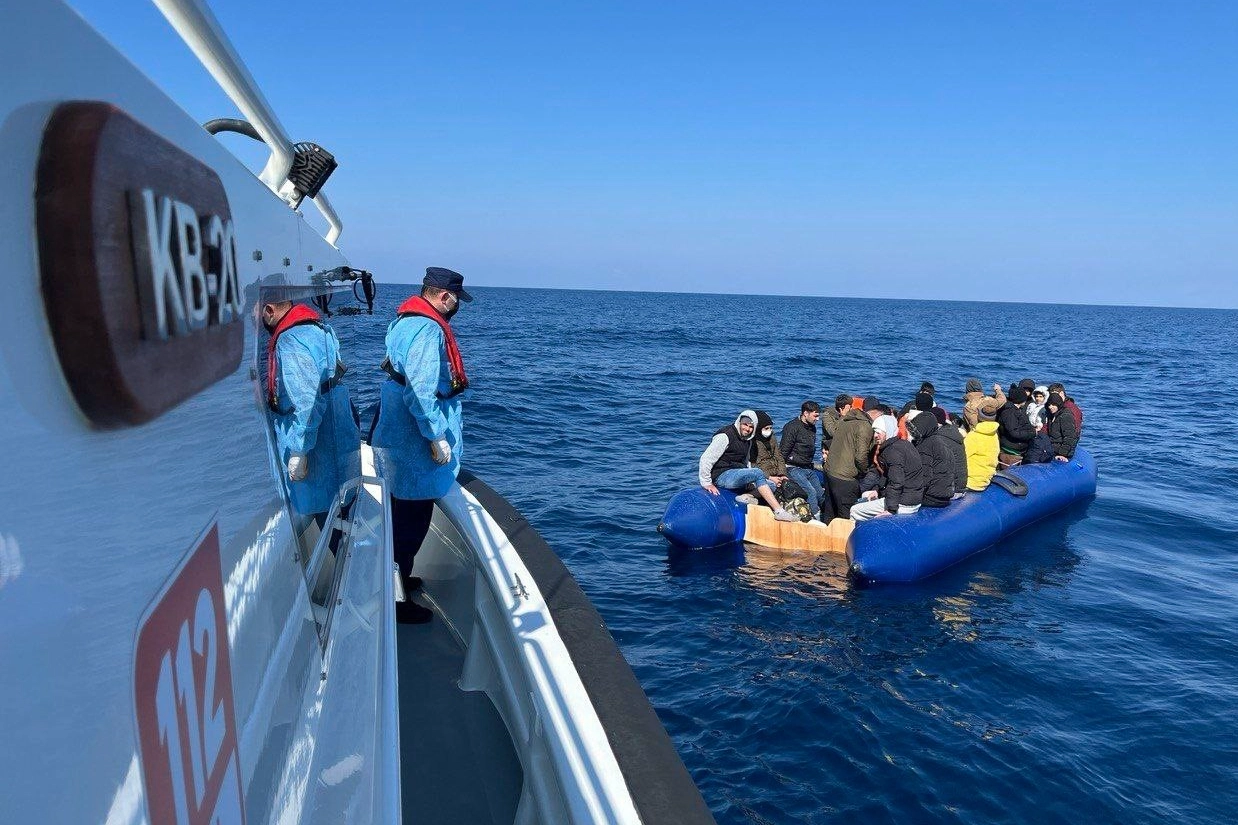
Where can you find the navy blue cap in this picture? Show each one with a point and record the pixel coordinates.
(442, 278)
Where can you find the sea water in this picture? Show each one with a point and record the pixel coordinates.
(1085, 670)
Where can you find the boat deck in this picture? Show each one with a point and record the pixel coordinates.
(458, 766)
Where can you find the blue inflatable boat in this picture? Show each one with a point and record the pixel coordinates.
(907, 548)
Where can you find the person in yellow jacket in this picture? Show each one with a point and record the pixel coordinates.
(981, 447)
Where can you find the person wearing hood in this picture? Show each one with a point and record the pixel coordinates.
(799, 446)
(1060, 425)
(973, 397)
(418, 434)
(949, 429)
(936, 457)
(895, 483)
(769, 458)
(1070, 405)
(848, 457)
(728, 463)
(926, 399)
(1014, 431)
(982, 448)
(923, 402)
(317, 438)
(1035, 408)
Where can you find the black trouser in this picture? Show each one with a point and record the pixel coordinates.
(410, 522)
(843, 493)
(828, 511)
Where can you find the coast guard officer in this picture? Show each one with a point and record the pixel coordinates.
(317, 438)
(418, 436)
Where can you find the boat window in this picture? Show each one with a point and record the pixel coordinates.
(311, 426)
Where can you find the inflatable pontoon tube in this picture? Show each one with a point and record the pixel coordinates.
(907, 548)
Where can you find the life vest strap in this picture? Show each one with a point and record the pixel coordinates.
(396, 376)
(399, 377)
(323, 388)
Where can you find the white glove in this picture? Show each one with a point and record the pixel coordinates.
(440, 451)
(298, 466)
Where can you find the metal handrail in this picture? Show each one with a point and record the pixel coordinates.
(196, 24)
(333, 220)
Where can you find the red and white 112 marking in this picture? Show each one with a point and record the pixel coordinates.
(183, 699)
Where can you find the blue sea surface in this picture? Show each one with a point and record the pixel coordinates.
(1085, 670)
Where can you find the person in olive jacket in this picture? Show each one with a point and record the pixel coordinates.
(1062, 429)
(848, 458)
(769, 458)
(936, 457)
(829, 421)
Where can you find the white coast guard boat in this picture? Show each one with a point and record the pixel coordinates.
(171, 650)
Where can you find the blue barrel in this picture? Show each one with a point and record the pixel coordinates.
(694, 518)
(907, 548)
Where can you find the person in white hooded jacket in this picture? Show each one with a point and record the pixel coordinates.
(727, 463)
(1035, 408)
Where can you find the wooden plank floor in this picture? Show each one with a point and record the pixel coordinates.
(761, 528)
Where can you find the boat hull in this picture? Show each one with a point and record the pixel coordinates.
(909, 548)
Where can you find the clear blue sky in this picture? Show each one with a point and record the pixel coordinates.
(1019, 151)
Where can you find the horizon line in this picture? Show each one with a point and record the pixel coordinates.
(843, 297)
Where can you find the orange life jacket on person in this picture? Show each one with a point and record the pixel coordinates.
(419, 306)
(299, 314)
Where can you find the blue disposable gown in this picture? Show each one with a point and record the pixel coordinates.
(321, 426)
(413, 415)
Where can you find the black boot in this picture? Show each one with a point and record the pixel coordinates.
(411, 583)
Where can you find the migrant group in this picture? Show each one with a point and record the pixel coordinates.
(880, 462)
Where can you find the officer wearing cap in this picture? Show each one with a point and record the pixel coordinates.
(418, 435)
(318, 440)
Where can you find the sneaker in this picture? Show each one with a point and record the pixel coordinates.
(412, 613)
(785, 515)
(746, 498)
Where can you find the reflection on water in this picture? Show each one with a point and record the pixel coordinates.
(779, 573)
(1039, 556)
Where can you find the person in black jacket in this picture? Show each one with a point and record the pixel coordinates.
(936, 456)
(799, 448)
(894, 484)
(950, 431)
(1061, 426)
(1014, 431)
(926, 399)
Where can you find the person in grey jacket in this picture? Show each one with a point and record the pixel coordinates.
(728, 462)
